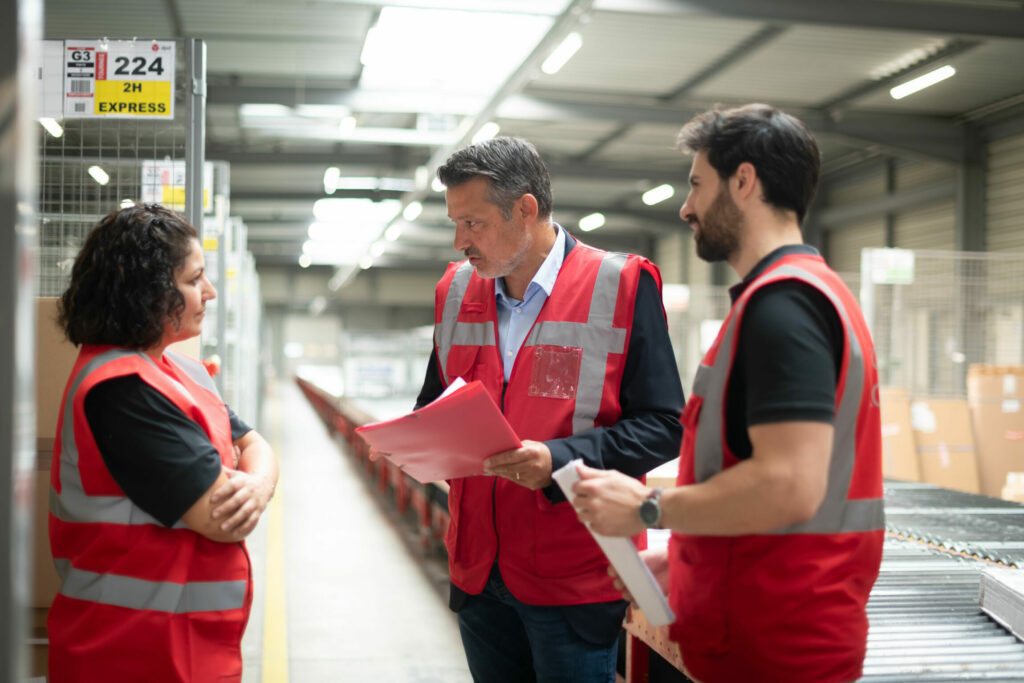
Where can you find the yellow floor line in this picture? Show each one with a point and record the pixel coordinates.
(275, 618)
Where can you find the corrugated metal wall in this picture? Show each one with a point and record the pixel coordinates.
(1005, 201)
(845, 244)
(671, 252)
(927, 227)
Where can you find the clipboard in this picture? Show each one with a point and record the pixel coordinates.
(449, 438)
(623, 555)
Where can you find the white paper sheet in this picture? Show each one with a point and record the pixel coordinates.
(623, 555)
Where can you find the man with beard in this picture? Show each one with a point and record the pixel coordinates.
(777, 516)
(572, 344)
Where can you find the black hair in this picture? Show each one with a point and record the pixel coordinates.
(513, 166)
(781, 148)
(122, 288)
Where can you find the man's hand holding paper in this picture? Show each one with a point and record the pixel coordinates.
(529, 465)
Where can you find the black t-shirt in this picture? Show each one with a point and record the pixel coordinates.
(789, 356)
(161, 459)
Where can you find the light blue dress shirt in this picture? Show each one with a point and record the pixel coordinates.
(516, 318)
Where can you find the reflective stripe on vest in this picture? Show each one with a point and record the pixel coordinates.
(837, 514)
(72, 504)
(451, 332)
(161, 596)
(597, 338)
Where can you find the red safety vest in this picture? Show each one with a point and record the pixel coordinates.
(139, 601)
(565, 381)
(787, 605)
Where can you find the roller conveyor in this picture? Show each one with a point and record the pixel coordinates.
(925, 622)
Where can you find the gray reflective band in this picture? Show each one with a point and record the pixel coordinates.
(161, 596)
(450, 332)
(195, 370)
(72, 504)
(837, 514)
(597, 338)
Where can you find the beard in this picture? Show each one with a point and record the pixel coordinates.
(718, 237)
(521, 242)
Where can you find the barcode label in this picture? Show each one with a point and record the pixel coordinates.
(79, 107)
(80, 87)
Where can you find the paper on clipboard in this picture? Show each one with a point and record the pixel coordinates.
(623, 555)
(448, 438)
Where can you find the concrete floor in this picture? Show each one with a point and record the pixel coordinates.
(359, 604)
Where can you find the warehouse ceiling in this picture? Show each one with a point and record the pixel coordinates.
(289, 97)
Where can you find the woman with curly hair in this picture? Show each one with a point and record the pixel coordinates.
(155, 482)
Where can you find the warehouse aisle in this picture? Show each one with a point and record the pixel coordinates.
(337, 591)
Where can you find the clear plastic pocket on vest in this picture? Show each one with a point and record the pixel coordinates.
(556, 371)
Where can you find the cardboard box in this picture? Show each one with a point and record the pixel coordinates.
(899, 453)
(55, 357)
(38, 644)
(995, 397)
(945, 445)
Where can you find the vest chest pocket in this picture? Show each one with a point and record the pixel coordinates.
(555, 371)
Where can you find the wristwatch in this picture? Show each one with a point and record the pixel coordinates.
(650, 510)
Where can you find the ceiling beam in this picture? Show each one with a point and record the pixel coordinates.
(738, 52)
(838, 216)
(870, 87)
(962, 19)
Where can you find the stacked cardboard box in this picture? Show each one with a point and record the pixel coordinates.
(995, 394)
(899, 456)
(945, 445)
(55, 357)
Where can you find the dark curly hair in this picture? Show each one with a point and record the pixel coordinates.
(780, 147)
(122, 288)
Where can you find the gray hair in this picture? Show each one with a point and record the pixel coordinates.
(512, 165)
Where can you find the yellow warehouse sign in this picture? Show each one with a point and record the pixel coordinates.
(119, 79)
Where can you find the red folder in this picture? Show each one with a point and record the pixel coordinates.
(446, 439)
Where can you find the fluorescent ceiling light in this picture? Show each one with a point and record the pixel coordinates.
(366, 262)
(378, 248)
(393, 232)
(486, 132)
(657, 194)
(591, 222)
(368, 183)
(922, 82)
(562, 54)
(412, 211)
(52, 127)
(421, 177)
(436, 185)
(331, 176)
(345, 228)
(438, 39)
(127, 203)
(305, 261)
(264, 110)
(347, 124)
(99, 175)
(322, 111)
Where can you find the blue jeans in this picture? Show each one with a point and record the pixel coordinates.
(510, 641)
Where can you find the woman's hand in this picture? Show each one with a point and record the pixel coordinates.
(240, 501)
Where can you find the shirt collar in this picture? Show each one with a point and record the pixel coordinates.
(545, 276)
(766, 262)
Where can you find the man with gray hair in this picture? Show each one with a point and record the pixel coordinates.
(572, 344)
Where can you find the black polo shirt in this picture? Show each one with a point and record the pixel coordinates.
(789, 355)
(161, 459)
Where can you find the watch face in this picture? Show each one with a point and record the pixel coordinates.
(649, 512)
